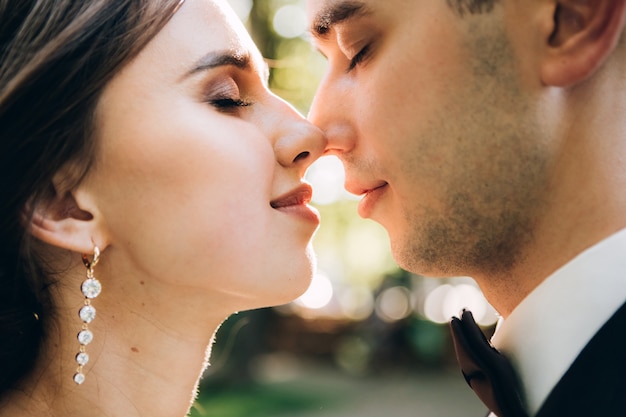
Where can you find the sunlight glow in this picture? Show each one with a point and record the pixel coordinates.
(432, 305)
(448, 300)
(357, 302)
(394, 304)
(242, 8)
(319, 293)
(290, 21)
(327, 176)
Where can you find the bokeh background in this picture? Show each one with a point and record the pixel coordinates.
(367, 338)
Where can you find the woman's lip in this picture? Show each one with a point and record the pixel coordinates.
(304, 211)
(296, 202)
(300, 195)
(369, 200)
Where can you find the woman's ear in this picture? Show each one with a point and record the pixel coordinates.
(68, 219)
(585, 33)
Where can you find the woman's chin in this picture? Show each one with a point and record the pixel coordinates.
(290, 291)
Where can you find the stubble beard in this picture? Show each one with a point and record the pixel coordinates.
(494, 189)
(469, 241)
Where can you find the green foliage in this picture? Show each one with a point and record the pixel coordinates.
(261, 401)
(295, 67)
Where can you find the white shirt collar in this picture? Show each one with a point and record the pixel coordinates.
(548, 329)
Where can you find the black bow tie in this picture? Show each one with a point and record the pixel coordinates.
(486, 371)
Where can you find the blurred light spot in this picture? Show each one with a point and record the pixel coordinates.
(290, 21)
(274, 367)
(433, 304)
(393, 304)
(446, 301)
(464, 296)
(326, 176)
(319, 293)
(357, 303)
(242, 8)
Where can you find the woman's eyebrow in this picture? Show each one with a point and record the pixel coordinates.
(220, 58)
(336, 13)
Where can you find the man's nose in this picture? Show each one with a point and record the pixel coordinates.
(333, 112)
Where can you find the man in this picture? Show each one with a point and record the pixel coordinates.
(489, 138)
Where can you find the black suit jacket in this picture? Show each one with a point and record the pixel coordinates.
(595, 384)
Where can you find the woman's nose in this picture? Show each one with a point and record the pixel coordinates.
(298, 142)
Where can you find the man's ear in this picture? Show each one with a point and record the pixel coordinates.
(585, 33)
(68, 219)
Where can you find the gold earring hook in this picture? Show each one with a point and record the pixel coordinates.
(96, 257)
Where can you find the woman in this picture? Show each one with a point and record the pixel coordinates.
(151, 182)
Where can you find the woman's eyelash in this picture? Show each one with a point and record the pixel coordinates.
(358, 58)
(229, 103)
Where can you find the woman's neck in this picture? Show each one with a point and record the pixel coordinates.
(146, 359)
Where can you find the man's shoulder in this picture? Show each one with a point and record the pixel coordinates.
(595, 383)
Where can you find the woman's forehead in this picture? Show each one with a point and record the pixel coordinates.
(201, 27)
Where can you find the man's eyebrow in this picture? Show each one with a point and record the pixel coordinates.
(220, 58)
(337, 13)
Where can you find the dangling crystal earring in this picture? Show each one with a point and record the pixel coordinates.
(90, 288)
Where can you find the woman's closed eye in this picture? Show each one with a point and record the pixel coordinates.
(227, 104)
(225, 96)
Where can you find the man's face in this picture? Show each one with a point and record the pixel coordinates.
(429, 114)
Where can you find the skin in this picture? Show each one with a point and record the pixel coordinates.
(183, 200)
(465, 133)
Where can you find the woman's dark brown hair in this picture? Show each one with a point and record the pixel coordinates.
(56, 56)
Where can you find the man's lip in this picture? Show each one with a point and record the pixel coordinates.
(359, 188)
(365, 191)
(300, 195)
(369, 200)
(375, 188)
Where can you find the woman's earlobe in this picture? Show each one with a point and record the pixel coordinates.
(61, 222)
(585, 34)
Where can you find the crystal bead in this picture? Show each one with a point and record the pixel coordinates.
(91, 288)
(85, 337)
(87, 314)
(79, 378)
(82, 358)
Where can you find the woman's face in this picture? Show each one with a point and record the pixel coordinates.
(199, 171)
